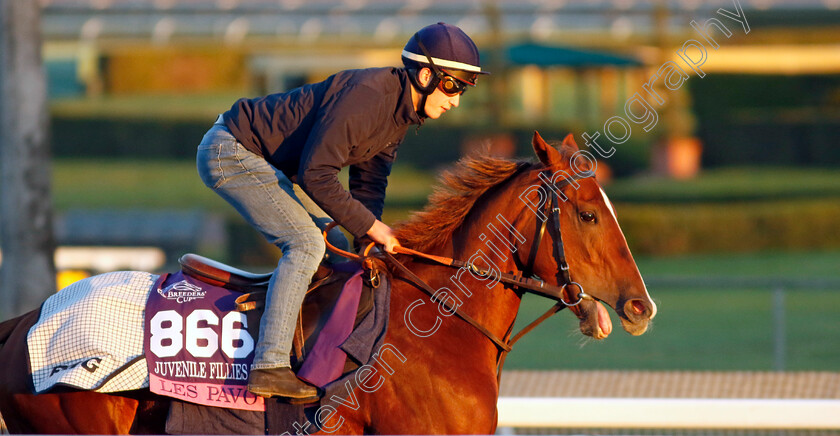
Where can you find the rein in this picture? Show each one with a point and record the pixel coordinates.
(523, 280)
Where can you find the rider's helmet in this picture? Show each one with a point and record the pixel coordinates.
(448, 52)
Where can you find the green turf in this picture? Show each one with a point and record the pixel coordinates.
(711, 329)
(120, 184)
(116, 184)
(705, 328)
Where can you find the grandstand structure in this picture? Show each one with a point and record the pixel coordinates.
(353, 33)
(388, 21)
(262, 46)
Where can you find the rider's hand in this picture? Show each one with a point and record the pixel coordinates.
(382, 234)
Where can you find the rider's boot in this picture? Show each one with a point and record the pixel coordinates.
(279, 382)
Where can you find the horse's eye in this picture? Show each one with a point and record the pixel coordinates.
(587, 217)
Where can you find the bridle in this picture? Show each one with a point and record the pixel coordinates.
(521, 281)
(563, 276)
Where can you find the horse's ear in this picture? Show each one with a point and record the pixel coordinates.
(548, 155)
(569, 140)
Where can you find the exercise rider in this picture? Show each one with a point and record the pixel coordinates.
(276, 160)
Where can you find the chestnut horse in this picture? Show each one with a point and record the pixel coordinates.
(439, 373)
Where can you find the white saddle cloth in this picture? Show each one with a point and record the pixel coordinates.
(90, 335)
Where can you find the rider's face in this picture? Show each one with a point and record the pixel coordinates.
(437, 103)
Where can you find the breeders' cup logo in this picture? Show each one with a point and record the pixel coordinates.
(182, 292)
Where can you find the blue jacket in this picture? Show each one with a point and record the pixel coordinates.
(355, 118)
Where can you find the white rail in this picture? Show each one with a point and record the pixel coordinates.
(670, 413)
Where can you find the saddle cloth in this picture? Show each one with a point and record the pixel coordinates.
(90, 335)
(199, 348)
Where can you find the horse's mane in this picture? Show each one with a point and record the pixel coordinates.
(456, 193)
(452, 199)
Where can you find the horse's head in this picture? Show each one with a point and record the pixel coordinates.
(592, 242)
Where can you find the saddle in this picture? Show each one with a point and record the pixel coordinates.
(321, 296)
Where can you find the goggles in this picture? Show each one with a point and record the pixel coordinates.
(451, 86)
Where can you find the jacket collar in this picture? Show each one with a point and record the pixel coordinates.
(405, 113)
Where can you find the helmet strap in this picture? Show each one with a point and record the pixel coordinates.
(424, 91)
(437, 75)
(414, 77)
(421, 110)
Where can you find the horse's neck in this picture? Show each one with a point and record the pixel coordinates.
(483, 242)
(486, 243)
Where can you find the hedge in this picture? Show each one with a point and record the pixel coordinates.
(665, 229)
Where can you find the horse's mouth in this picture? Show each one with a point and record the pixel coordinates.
(595, 319)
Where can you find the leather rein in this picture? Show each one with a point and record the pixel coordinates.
(519, 281)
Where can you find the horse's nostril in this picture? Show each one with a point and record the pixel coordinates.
(638, 307)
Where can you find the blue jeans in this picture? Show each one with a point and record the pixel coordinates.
(285, 216)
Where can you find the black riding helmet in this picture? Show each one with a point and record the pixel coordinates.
(449, 53)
